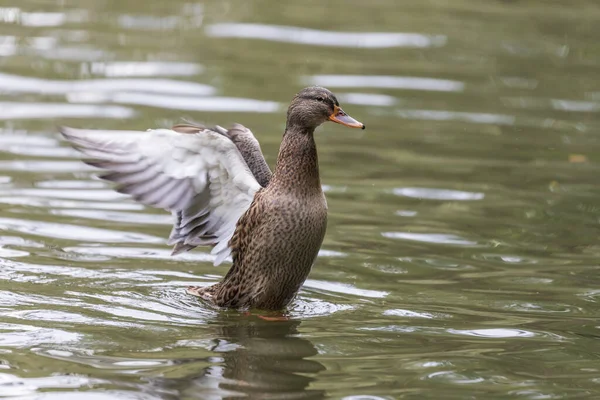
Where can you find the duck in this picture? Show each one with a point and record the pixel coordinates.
(222, 193)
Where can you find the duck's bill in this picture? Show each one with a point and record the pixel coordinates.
(340, 117)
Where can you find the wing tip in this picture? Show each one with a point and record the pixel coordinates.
(181, 248)
(66, 131)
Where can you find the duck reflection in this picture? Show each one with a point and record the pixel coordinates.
(260, 359)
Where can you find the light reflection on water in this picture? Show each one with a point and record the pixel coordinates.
(374, 40)
(460, 258)
(386, 82)
(15, 111)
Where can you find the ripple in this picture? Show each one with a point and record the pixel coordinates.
(98, 194)
(38, 151)
(331, 253)
(493, 332)
(592, 295)
(386, 82)
(137, 308)
(150, 22)
(142, 253)
(537, 103)
(100, 395)
(410, 314)
(440, 238)
(11, 385)
(32, 19)
(454, 377)
(406, 213)
(49, 203)
(344, 288)
(74, 232)
(437, 262)
(438, 194)
(366, 99)
(475, 118)
(117, 216)
(21, 84)
(26, 272)
(517, 82)
(145, 68)
(9, 137)
(364, 397)
(217, 104)
(575, 106)
(541, 308)
(8, 46)
(54, 316)
(61, 110)
(10, 253)
(306, 308)
(15, 335)
(507, 258)
(291, 34)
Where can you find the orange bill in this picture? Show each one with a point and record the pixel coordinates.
(340, 117)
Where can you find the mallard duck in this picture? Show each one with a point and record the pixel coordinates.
(222, 193)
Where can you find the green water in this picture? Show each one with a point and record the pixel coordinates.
(461, 258)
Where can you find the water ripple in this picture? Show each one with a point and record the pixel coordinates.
(438, 194)
(16, 335)
(14, 111)
(386, 82)
(337, 287)
(11, 385)
(141, 253)
(412, 314)
(145, 68)
(74, 194)
(441, 238)
(117, 216)
(21, 84)
(291, 34)
(74, 232)
(493, 332)
(32, 19)
(476, 118)
(216, 104)
(41, 202)
(367, 99)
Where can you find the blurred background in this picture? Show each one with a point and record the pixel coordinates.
(461, 258)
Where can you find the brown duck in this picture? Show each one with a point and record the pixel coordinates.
(222, 193)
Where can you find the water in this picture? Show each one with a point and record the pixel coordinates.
(461, 258)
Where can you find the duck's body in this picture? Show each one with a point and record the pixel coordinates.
(222, 192)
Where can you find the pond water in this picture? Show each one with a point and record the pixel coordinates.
(462, 256)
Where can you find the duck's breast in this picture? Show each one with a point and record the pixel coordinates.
(284, 246)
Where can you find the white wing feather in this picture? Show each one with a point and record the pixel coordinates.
(201, 177)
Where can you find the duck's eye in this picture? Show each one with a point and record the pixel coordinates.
(321, 99)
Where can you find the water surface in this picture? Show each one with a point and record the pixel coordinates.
(461, 258)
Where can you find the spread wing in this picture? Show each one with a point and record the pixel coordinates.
(246, 143)
(200, 177)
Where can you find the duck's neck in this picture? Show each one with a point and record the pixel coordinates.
(297, 163)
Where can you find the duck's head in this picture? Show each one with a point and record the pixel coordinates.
(314, 105)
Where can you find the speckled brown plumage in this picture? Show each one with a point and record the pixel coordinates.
(278, 238)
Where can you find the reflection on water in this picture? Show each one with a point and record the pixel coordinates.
(386, 82)
(461, 254)
(324, 38)
(14, 111)
(147, 68)
(20, 84)
(257, 359)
